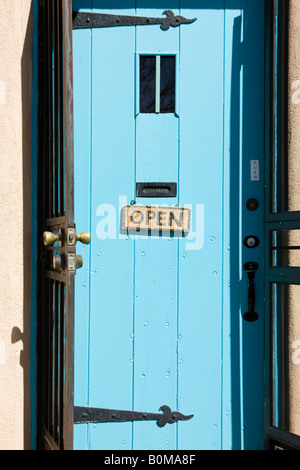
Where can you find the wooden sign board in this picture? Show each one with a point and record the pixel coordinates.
(162, 219)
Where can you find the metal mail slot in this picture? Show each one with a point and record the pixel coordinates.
(156, 189)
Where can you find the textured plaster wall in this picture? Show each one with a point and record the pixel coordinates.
(15, 221)
(294, 204)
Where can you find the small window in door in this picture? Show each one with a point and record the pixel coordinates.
(157, 84)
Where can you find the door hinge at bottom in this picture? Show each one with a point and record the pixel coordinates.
(84, 414)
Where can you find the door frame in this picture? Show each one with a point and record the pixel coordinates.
(276, 218)
(270, 56)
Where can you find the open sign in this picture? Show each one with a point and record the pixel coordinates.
(171, 219)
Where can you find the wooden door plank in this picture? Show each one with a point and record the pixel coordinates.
(82, 171)
(200, 267)
(111, 296)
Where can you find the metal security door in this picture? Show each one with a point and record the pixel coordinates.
(56, 262)
(169, 147)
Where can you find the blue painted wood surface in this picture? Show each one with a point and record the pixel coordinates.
(158, 319)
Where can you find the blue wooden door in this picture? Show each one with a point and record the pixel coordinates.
(159, 315)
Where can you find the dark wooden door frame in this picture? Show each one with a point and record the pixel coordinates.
(55, 287)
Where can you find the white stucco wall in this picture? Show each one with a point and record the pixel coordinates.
(15, 220)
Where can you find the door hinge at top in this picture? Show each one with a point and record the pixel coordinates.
(102, 20)
(83, 414)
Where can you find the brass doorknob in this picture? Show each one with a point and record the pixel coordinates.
(50, 238)
(84, 237)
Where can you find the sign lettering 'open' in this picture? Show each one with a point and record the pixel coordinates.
(171, 219)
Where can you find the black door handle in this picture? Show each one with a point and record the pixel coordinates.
(250, 269)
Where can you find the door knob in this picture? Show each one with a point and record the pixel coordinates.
(74, 237)
(250, 269)
(84, 237)
(50, 238)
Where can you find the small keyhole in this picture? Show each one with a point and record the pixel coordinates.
(251, 241)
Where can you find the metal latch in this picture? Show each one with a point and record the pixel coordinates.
(74, 262)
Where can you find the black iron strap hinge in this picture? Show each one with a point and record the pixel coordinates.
(102, 20)
(84, 414)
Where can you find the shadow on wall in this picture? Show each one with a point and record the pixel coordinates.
(17, 334)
